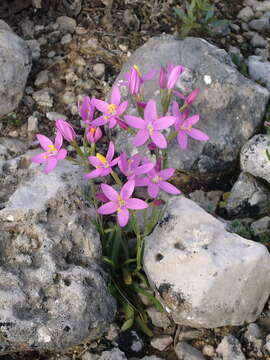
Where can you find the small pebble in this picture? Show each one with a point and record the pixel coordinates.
(66, 24)
(161, 342)
(66, 39)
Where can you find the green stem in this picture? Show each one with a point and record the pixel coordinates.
(116, 178)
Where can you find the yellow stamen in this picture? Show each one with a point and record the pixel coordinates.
(186, 128)
(150, 128)
(93, 131)
(119, 209)
(111, 109)
(136, 67)
(121, 201)
(101, 158)
(52, 148)
(156, 179)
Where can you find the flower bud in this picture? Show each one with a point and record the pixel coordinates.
(65, 129)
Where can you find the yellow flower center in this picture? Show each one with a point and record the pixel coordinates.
(156, 179)
(136, 67)
(111, 109)
(93, 131)
(186, 128)
(50, 152)
(101, 158)
(150, 128)
(121, 201)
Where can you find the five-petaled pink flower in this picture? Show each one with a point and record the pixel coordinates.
(65, 129)
(156, 180)
(87, 110)
(173, 74)
(150, 126)
(184, 127)
(121, 202)
(135, 79)
(131, 167)
(102, 164)
(112, 111)
(53, 152)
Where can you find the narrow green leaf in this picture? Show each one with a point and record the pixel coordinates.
(268, 154)
(143, 326)
(179, 12)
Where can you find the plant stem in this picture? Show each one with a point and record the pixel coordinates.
(116, 178)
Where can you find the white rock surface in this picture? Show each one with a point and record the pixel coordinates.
(253, 158)
(230, 349)
(185, 351)
(194, 263)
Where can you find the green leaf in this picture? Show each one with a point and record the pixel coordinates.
(268, 154)
(209, 15)
(179, 12)
(143, 326)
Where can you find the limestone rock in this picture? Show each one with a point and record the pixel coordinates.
(15, 65)
(248, 197)
(230, 348)
(53, 293)
(253, 157)
(230, 105)
(259, 70)
(192, 262)
(185, 351)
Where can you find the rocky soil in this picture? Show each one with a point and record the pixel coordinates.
(77, 48)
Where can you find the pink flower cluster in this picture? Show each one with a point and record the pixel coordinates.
(148, 129)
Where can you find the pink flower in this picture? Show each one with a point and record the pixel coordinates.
(188, 100)
(131, 167)
(87, 110)
(93, 134)
(53, 152)
(173, 75)
(102, 164)
(65, 129)
(156, 180)
(135, 79)
(150, 126)
(112, 111)
(184, 127)
(121, 202)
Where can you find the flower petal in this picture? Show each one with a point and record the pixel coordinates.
(100, 105)
(164, 122)
(93, 174)
(62, 153)
(108, 208)
(192, 120)
(150, 75)
(136, 204)
(150, 111)
(173, 76)
(127, 189)
(175, 109)
(95, 161)
(152, 190)
(99, 121)
(58, 140)
(169, 188)
(182, 139)
(135, 121)
(141, 138)
(159, 139)
(143, 169)
(109, 192)
(166, 173)
(40, 158)
(116, 96)
(44, 141)
(121, 108)
(122, 217)
(141, 181)
(198, 134)
(52, 161)
(193, 96)
(110, 152)
(122, 163)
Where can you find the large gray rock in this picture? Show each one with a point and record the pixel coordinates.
(259, 70)
(193, 263)
(53, 293)
(15, 65)
(253, 158)
(230, 105)
(248, 197)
